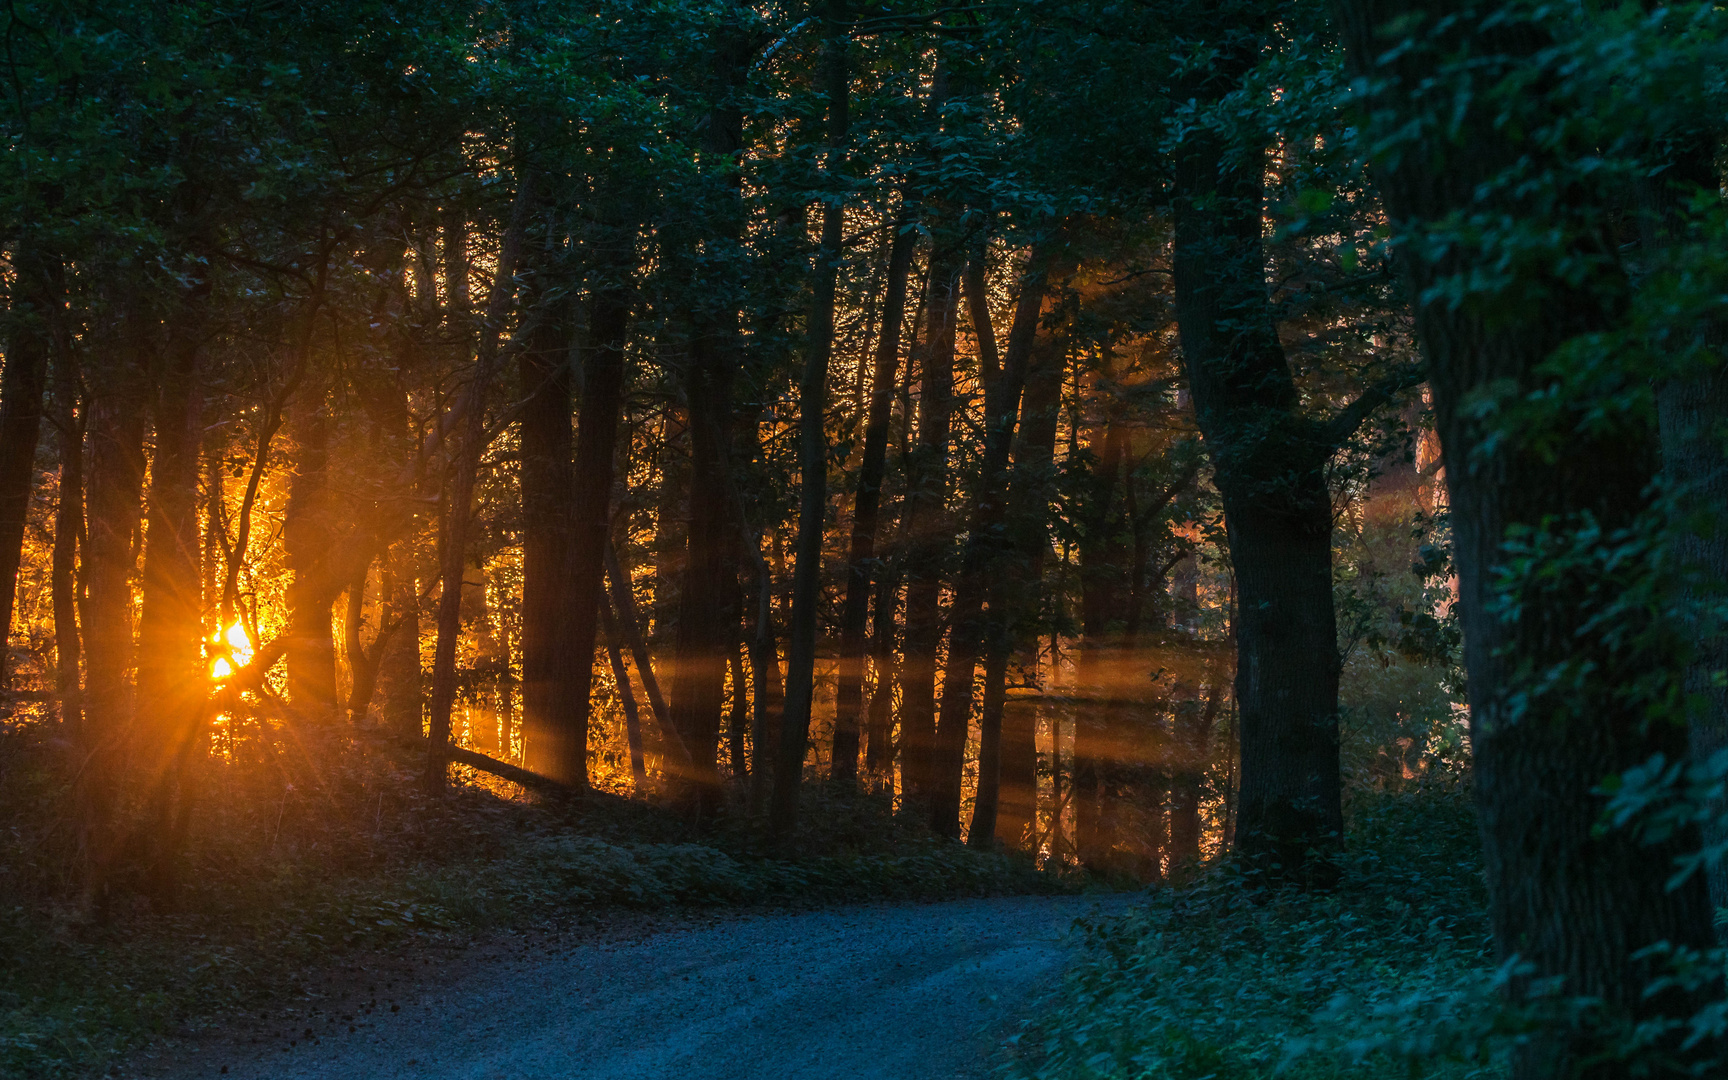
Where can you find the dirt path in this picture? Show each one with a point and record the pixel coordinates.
(897, 992)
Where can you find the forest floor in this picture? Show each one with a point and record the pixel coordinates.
(901, 991)
(340, 872)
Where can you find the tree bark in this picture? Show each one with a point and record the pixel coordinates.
(813, 447)
(924, 510)
(1029, 494)
(548, 481)
(69, 421)
(468, 442)
(987, 543)
(1269, 468)
(563, 753)
(866, 510)
(116, 482)
(1569, 899)
(708, 613)
(35, 295)
(308, 538)
(172, 687)
(626, 698)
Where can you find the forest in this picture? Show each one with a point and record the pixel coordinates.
(465, 466)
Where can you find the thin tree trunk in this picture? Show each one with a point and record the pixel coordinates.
(399, 674)
(738, 719)
(984, 543)
(22, 381)
(813, 449)
(68, 538)
(626, 697)
(861, 558)
(469, 436)
(1020, 591)
(308, 538)
(630, 621)
(924, 509)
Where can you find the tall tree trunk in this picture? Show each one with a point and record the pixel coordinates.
(68, 538)
(1692, 411)
(547, 483)
(1021, 591)
(35, 293)
(708, 615)
(1102, 655)
(399, 674)
(1569, 899)
(813, 447)
(866, 507)
(986, 544)
(467, 436)
(1269, 467)
(171, 679)
(116, 484)
(308, 538)
(564, 752)
(923, 514)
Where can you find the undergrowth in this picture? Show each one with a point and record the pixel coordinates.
(1225, 980)
(291, 868)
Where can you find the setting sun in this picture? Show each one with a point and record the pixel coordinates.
(234, 648)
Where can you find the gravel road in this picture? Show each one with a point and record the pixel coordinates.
(897, 992)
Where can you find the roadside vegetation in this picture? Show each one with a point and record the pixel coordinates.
(349, 866)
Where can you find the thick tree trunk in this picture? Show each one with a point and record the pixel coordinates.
(547, 483)
(116, 484)
(708, 615)
(563, 754)
(866, 508)
(1568, 899)
(172, 688)
(35, 292)
(1268, 464)
(813, 450)
(1692, 410)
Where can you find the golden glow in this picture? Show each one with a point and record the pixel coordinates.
(233, 649)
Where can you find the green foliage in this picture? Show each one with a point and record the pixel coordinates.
(1224, 981)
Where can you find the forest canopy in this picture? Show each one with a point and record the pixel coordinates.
(1123, 436)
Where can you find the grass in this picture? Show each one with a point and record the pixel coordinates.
(1223, 980)
(297, 863)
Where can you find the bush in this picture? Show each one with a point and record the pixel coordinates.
(1225, 980)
